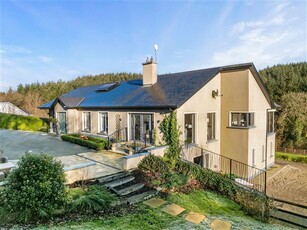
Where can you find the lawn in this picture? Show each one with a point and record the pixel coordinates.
(213, 206)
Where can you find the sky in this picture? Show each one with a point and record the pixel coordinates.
(49, 40)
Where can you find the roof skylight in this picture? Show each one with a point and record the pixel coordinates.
(107, 87)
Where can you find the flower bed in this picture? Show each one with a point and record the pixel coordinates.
(86, 141)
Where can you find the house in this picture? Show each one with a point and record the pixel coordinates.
(225, 110)
(8, 107)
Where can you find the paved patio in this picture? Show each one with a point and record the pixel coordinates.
(15, 143)
(80, 163)
(81, 168)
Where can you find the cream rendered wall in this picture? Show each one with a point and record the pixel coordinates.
(234, 87)
(241, 93)
(257, 136)
(202, 103)
(72, 121)
(116, 120)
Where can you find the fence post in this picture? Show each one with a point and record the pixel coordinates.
(265, 175)
(230, 174)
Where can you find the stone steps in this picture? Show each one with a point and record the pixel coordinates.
(128, 190)
(125, 186)
(141, 197)
(116, 176)
(119, 182)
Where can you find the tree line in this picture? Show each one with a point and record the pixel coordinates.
(287, 85)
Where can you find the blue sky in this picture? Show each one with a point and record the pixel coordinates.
(47, 40)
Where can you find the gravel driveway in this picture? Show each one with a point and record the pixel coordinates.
(15, 143)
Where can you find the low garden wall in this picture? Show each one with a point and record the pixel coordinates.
(132, 161)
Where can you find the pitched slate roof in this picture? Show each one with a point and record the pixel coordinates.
(170, 91)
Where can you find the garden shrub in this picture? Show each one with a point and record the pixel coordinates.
(35, 189)
(86, 141)
(90, 199)
(19, 122)
(154, 164)
(169, 129)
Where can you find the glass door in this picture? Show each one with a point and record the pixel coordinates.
(141, 126)
(62, 121)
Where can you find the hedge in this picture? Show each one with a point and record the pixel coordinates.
(20, 122)
(86, 141)
(291, 157)
(252, 202)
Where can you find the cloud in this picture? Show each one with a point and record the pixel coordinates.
(45, 59)
(14, 49)
(278, 38)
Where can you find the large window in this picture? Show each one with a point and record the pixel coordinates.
(103, 122)
(210, 126)
(270, 122)
(242, 119)
(86, 120)
(189, 128)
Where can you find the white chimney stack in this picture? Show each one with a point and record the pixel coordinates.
(150, 72)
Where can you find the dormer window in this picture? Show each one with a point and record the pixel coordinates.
(107, 87)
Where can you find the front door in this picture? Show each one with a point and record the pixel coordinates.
(62, 121)
(141, 126)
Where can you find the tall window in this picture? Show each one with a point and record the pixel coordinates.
(210, 126)
(253, 157)
(86, 121)
(189, 128)
(103, 122)
(270, 122)
(271, 149)
(263, 153)
(242, 119)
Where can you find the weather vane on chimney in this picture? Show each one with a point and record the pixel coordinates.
(156, 49)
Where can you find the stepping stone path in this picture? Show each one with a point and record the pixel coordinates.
(154, 202)
(220, 225)
(173, 209)
(194, 217)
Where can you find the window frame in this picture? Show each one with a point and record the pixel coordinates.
(248, 122)
(253, 157)
(270, 122)
(88, 129)
(105, 129)
(212, 127)
(194, 126)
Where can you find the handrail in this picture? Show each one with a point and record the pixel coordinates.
(224, 157)
(117, 131)
(247, 175)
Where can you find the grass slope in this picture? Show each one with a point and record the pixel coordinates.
(212, 205)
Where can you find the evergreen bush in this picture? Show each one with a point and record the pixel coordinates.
(35, 189)
(90, 199)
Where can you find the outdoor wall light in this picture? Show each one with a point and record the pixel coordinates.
(215, 93)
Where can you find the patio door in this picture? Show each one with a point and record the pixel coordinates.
(62, 121)
(141, 126)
